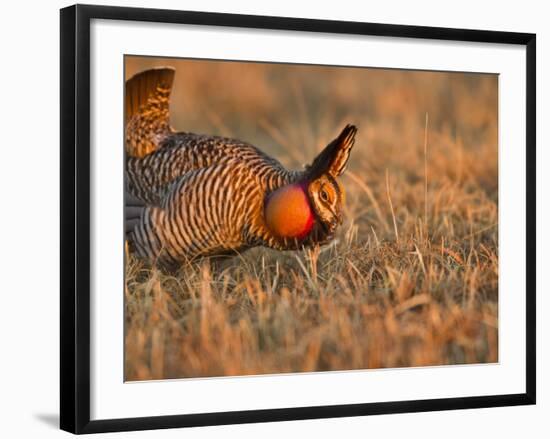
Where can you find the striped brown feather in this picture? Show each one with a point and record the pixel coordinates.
(148, 177)
(210, 211)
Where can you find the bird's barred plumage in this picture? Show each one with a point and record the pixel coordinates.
(148, 177)
(192, 195)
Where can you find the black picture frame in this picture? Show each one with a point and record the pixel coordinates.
(75, 217)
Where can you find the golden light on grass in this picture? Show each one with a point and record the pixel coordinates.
(412, 276)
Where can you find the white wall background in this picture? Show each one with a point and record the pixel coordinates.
(29, 200)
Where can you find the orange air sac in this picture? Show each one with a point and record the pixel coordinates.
(288, 213)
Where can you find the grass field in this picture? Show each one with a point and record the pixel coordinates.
(412, 276)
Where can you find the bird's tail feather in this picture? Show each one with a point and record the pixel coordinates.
(147, 112)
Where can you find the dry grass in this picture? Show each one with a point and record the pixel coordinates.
(412, 278)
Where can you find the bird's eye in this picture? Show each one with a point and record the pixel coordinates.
(324, 195)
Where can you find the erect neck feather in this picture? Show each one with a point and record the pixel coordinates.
(288, 211)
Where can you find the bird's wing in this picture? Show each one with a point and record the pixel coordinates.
(147, 115)
(148, 177)
(197, 215)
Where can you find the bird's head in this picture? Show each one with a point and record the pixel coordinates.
(312, 208)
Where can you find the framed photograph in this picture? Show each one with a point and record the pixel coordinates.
(268, 218)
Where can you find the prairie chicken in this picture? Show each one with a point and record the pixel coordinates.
(190, 195)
